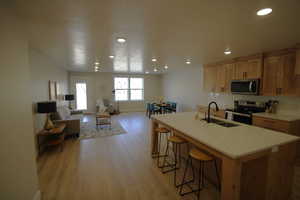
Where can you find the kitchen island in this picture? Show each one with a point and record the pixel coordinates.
(256, 163)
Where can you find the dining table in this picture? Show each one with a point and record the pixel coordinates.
(163, 107)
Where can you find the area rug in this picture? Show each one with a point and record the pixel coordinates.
(90, 130)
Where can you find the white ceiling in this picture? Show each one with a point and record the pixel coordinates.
(76, 33)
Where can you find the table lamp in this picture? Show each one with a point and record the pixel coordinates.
(47, 107)
(70, 97)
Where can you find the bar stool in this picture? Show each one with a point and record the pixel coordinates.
(203, 159)
(161, 131)
(176, 143)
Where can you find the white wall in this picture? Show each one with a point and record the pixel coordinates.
(185, 86)
(18, 177)
(101, 85)
(42, 69)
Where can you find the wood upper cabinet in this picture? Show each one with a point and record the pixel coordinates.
(225, 74)
(254, 69)
(209, 78)
(240, 69)
(229, 76)
(271, 65)
(279, 78)
(221, 82)
(248, 67)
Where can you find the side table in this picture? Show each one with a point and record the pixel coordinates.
(55, 136)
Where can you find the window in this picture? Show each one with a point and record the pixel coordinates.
(129, 89)
(81, 97)
(121, 89)
(136, 89)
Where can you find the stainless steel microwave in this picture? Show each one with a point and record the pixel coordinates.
(247, 87)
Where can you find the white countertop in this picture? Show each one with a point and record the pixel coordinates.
(233, 142)
(277, 116)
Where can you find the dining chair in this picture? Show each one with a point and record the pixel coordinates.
(153, 109)
(173, 106)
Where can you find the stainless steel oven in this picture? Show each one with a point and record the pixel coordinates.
(247, 87)
(243, 110)
(239, 117)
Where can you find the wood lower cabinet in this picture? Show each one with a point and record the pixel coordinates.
(276, 125)
(289, 127)
(279, 78)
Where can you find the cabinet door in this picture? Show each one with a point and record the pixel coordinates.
(209, 78)
(271, 65)
(297, 68)
(221, 76)
(285, 75)
(254, 69)
(229, 76)
(240, 69)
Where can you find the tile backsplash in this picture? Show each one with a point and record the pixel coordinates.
(287, 105)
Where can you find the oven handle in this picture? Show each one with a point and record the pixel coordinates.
(241, 114)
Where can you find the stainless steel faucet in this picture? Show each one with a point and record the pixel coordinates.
(208, 114)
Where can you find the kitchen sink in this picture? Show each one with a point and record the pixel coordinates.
(222, 123)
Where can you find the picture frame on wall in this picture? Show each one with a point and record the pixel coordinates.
(52, 90)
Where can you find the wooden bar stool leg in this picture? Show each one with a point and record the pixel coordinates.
(200, 180)
(158, 149)
(217, 174)
(175, 162)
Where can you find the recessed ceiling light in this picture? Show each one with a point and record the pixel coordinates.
(97, 63)
(188, 62)
(154, 59)
(155, 70)
(264, 11)
(121, 40)
(111, 57)
(227, 52)
(166, 67)
(147, 72)
(96, 67)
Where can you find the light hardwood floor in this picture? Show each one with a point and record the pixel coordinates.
(109, 168)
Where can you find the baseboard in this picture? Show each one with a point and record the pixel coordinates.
(122, 111)
(37, 195)
(132, 110)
